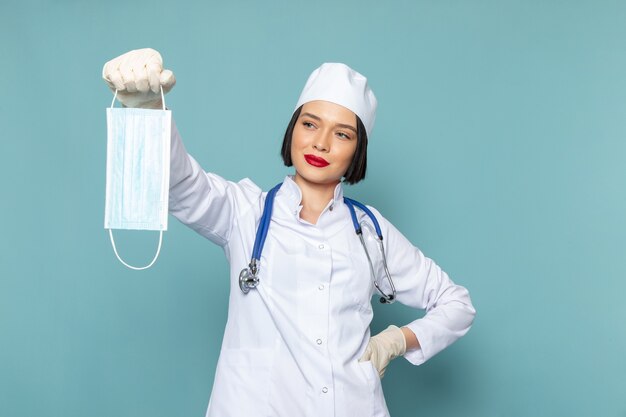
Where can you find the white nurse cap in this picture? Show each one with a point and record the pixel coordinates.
(340, 84)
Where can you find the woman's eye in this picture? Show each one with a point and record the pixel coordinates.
(308, 125)
(343, 135)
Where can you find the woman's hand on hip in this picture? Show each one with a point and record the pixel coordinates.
(384, 347)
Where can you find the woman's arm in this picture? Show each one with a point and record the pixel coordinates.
(205, 202)
(410, 339)
(422, 284)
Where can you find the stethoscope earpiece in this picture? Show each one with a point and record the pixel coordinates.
(387, 300)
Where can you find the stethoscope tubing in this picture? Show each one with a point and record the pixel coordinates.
(357, 227)
(261, 233)
(248, 278)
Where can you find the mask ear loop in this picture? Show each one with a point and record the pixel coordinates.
(114, 97)
(137, 268)
(162, 98)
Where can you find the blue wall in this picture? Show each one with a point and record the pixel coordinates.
(499, 151)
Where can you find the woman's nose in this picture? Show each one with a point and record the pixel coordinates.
(322, 142)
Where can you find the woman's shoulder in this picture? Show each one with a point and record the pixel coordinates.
(387, 227)
(249, 186)
(244, 192)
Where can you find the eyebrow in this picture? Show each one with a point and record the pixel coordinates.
(345, 126)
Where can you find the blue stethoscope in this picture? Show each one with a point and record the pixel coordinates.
(248, 278)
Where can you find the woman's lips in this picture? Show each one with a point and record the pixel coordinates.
(316, 161)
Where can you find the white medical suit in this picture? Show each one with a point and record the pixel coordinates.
(291, 346)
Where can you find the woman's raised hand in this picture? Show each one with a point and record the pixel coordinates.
(138, 76)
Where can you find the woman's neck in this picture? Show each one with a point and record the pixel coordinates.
(315, 198)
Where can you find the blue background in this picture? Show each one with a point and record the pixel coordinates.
(498, 150)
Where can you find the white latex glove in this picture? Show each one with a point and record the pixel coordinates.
(138, 77)
(384, 347)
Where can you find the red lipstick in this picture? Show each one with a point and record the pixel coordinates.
(316, 161)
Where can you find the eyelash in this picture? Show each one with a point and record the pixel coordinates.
(342, 135)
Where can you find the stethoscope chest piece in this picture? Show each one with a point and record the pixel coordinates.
(248, 278)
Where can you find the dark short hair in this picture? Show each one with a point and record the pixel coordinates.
(358, 166)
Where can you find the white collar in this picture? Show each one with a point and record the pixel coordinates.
(291, 192)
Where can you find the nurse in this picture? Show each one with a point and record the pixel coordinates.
(299, 343)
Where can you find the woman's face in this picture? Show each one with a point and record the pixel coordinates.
(323, 142)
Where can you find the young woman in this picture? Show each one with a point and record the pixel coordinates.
(297, 341)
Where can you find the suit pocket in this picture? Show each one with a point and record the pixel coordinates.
(242, 383)
(379, 406)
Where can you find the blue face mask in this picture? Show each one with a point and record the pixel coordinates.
(138, 171)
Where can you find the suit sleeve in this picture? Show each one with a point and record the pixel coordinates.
(420, 283)
(205, 202)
